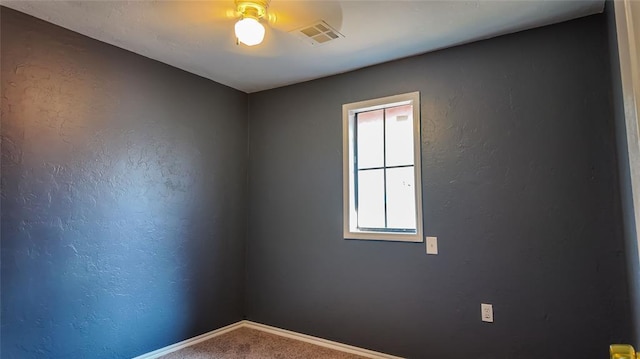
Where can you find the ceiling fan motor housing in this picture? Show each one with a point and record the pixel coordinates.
(256, 9)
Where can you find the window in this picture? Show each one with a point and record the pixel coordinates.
(382, 185)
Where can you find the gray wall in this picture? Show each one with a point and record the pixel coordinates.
(628, 218)
(519, 184)
(123, 198)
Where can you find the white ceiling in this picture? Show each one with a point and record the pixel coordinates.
(197, 36)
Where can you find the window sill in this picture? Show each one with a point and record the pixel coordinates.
(377, 236)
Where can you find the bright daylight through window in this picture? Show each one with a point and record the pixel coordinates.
(382, 186)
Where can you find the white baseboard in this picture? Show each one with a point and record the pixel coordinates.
(189, 342)
(273, 330)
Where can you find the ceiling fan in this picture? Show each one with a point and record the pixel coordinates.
(248, 29)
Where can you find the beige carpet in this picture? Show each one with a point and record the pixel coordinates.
(245, 343)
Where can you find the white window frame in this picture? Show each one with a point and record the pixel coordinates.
(349, 112)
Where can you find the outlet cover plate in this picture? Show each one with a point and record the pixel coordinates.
(487, 312)
(432, 245)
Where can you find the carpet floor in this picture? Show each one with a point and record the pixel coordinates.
(246, 343)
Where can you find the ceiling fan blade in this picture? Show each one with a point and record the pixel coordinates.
(198, 12)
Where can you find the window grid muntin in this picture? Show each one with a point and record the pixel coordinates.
(384, 167)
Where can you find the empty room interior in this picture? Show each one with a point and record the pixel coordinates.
(378, 179)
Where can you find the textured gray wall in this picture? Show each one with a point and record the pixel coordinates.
(123, 198)
(519, 184)
(628, 218)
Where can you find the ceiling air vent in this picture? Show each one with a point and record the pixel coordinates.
(318, 33)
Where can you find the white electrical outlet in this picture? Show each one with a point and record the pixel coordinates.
(487, 312)
(432, 245)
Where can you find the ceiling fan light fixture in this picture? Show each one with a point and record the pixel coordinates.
(248, 29)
